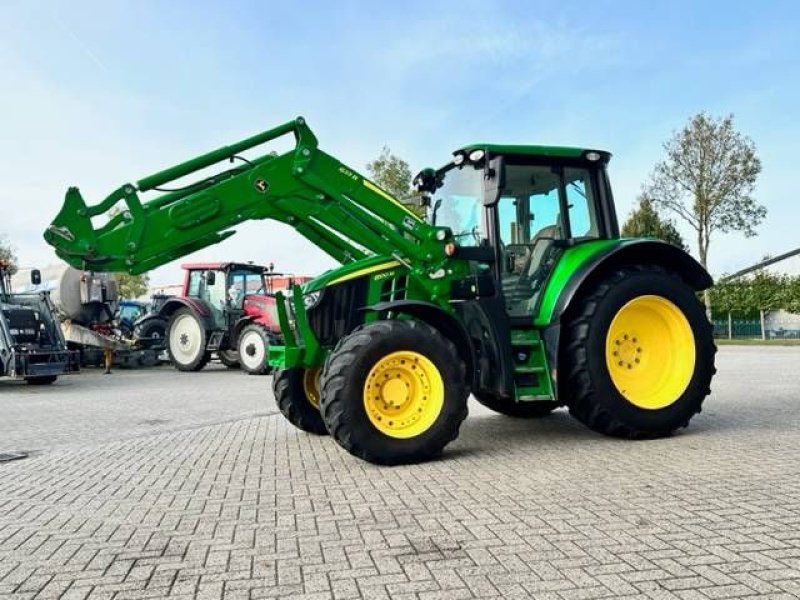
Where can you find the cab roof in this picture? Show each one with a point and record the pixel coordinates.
(222, 266)
(540, 151)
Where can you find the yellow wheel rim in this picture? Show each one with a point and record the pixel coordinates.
(650, 352)
(403, 394)
(311, 385)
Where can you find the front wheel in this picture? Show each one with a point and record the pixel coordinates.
(393, 392)
(186, 338)
(638, 355)
(297, 396)
(254, 349)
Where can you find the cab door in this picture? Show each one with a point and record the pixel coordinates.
(542, 210)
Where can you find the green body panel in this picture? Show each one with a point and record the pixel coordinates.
(571, 260)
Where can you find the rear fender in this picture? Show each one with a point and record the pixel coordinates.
(198, 307)
(627, 253)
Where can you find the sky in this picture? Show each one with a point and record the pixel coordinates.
(96, 94)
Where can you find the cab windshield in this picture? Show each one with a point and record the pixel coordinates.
(457, 204)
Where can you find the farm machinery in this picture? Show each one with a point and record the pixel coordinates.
(32, 346)
(516, 287)
(93, 319)
(227, 308)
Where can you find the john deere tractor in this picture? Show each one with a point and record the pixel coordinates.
(516, 288)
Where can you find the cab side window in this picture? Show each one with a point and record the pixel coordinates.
(196, 279)
(580, 199)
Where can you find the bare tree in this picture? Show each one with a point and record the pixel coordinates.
(707, 179)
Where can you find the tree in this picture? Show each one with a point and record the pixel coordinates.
(707, 179)
(132, 286)
(644, 221)
(762, 290)
(8, 255)
(393, 174)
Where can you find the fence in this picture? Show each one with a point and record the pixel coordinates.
(767, 327)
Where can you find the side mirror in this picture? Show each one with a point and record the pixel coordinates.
(494, 175)
(36, 276)
(211, 277)
(427, 180)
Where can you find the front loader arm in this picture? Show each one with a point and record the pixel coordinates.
(337, 209)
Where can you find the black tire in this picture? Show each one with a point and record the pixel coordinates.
(587, 386)
(229, 358)
(152, 334)
(253, 346)
(187, 354)
(149, 358)
(343, 383)
(519, 410)
(287, 385)
(41, 380)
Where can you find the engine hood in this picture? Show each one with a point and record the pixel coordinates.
(353, 270)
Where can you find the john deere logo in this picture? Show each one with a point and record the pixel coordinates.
(261, 185)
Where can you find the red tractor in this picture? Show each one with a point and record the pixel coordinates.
(227, 308)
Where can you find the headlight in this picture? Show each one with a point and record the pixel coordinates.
(311, 299)
(476, 155)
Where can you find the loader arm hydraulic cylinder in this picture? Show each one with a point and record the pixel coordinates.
(332, 205)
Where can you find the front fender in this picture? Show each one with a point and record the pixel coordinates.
(436, 317)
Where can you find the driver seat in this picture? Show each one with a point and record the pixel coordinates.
(537, 250)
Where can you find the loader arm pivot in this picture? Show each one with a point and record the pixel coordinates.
(332, 205)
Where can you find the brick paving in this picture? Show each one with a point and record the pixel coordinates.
(177, 490)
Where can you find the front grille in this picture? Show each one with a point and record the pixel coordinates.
(338, 311)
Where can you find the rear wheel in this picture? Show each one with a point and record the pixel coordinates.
(187, 341)
(638, 355)
(393, 392)
(254, 349)
(297, 395)
(511, 408)
(229, 358)
(41, 380)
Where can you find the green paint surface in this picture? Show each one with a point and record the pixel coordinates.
(572, 260)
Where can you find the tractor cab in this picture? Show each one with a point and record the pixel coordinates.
(522, 206)
(232, 290)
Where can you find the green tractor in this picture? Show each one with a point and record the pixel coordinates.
(516, 288)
